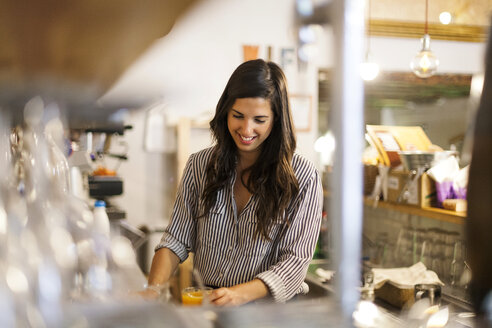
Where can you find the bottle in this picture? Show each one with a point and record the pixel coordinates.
(101, 220)
(367, 292)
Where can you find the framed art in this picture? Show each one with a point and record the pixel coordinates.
(301, 107)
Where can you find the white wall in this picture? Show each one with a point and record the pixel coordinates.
(191, 65)
(189, 68)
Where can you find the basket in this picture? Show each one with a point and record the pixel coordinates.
(396, 296)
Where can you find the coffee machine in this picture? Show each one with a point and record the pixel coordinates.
(91, 149)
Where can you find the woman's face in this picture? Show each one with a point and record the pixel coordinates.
(250, 121)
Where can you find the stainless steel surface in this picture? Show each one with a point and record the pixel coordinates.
(415, 159)
(461, 313)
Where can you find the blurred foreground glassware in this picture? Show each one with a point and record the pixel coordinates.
(50, 255)
(449, 245)
(437, 253)
(367, 291)
(162, 290)
(404, 253)
(426, 254)
(458, 263)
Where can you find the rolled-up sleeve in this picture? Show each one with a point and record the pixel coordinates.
(296, 247)
(179, 235)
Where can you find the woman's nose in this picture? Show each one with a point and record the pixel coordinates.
(247, 127)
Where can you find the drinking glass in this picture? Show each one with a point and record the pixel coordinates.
(420, 236)
(450, 240)
(404, 247)
(458, 263)
(193, 296)
(426, 254)
(438, 252)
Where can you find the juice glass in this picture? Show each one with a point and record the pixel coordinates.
(194, 295)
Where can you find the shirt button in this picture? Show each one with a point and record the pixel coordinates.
(230, 248)
(221, 275)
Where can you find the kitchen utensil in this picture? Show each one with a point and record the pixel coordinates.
(414, 159)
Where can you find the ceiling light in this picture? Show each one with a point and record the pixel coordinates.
(445, 17)
(425, 63)
(369, 69)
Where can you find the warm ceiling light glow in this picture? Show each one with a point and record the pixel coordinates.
(369, 71)
(445, 17)
(425, 63)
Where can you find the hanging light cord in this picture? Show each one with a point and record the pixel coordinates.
(426, 13)
(368, 28)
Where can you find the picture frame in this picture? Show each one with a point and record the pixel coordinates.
(301, 108)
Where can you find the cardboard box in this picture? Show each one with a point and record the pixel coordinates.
(388, 140)
(421, 193)
(370, 174)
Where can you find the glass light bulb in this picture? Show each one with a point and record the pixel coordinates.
(425, 63)
(369, 71)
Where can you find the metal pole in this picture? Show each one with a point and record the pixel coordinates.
(347, 125)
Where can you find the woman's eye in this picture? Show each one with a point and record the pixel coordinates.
(260, 121)
(237, 116)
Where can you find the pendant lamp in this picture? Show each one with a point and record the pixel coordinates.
(369, 69)
(425, 63)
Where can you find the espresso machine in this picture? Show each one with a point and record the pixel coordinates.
(92, 177)
(97, 152)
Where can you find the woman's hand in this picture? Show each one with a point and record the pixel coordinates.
(151, 292)
(227, 297)
(239, 294)
(147, 294)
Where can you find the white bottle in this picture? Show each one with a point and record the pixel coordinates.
(101, 220)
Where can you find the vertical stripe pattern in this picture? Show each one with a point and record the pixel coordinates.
(226, 251)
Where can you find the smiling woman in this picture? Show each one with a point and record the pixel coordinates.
(249, 207)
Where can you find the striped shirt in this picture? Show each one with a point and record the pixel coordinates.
(226, 250)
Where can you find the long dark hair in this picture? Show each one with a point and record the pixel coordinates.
(271, 178)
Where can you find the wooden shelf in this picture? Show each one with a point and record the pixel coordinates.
(428, 212)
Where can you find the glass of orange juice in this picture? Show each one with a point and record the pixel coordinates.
(194, 295)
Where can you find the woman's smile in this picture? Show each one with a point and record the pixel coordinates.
(250, 121)
(246, 140)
